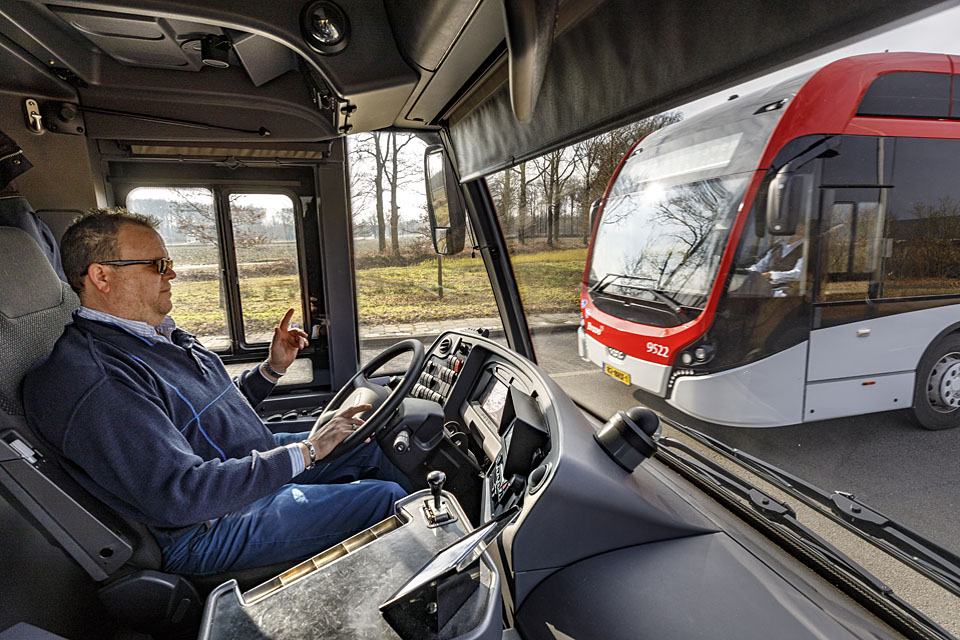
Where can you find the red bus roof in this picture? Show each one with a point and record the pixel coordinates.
(827, 102)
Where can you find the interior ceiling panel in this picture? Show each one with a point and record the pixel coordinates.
(426, 29)
(628, 59)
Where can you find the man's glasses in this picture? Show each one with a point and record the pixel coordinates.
(162, 264)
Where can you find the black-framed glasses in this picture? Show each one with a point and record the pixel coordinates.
(162, 264)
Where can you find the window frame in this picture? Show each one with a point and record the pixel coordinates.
(235, 320)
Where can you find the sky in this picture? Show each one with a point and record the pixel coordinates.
(933, 33)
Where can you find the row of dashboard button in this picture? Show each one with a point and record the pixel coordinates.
(420, 391)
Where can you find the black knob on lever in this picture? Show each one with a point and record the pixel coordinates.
(436, 479)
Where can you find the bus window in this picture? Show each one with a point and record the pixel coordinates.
(923, 220)
(188, 225)
(847, 236)
(265, 242)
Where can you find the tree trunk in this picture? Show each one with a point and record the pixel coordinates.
(378, 193)
(394, 207)
(522, 208)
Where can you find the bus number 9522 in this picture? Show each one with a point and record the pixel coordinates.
(661, 350)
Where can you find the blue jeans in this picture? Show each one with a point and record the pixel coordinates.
(316, 510)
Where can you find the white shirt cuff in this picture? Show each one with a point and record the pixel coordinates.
(296, 459)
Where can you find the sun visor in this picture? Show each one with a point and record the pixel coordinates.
(624, 61)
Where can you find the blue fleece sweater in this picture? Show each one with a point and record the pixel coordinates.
(157, 431)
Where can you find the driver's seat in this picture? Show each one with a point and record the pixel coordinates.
(118, 553)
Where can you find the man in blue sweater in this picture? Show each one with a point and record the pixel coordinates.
(149, 421)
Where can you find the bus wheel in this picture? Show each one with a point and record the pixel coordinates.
(936, 398)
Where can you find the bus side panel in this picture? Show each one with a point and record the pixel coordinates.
(856, 396)
(890, 344)
(766, 393)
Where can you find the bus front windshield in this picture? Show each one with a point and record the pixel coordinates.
(665, 240)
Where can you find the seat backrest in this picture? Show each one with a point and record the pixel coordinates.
(34, 307)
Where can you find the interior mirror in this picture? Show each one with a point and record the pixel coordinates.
(444, 206)
(788, 198)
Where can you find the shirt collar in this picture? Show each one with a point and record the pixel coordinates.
(160, 333)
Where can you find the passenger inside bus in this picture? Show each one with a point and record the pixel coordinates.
(149, 421)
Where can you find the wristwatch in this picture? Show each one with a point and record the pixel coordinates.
(270, 370)
(313, 453)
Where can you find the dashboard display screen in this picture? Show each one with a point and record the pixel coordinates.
(494, 399)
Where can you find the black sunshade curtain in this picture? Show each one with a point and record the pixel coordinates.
(626, 60)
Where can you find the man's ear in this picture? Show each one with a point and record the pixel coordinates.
(99, 277)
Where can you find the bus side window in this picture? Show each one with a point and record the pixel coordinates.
(922, 233)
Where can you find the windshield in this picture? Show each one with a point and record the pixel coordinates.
(830, 355)
(669, 239)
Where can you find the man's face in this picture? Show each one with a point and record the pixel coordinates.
(137, 291)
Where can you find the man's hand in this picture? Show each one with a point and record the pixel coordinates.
(336, 429)
(286, 343)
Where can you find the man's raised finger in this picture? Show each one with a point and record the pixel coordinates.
(285, 323)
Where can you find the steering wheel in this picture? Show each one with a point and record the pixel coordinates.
(359, 390)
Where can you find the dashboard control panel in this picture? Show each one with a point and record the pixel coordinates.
(439, 375)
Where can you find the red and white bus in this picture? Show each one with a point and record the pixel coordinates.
(792, 255)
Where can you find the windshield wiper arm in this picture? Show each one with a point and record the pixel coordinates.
(783, 514)
(659, 295)
(910, 547)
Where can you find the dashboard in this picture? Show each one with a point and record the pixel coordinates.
(492, 407)
(583, 533)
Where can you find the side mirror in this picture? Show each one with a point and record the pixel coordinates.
(788, 198)
(595, 207)
(444, 206)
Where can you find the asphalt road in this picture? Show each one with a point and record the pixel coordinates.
(907, 473)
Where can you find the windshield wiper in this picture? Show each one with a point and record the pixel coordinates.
(782, 514)
(662, 297)
(910, 547)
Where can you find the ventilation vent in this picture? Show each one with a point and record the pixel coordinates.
(444, 347)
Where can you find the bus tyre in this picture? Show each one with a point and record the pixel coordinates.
(936, 396)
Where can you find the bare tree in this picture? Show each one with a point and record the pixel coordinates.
(374, 148)
(555, 169)
(398, 171)
(597, 158)
(196, 218)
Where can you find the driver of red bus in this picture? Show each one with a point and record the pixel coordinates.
(782, 264)
(150, 422)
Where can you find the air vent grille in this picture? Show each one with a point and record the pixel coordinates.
(444, 347)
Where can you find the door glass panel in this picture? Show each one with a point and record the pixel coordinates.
(847, 236)
(188, 225)
(265, 240)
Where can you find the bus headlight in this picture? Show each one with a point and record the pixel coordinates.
(703, 353)
(686, 358)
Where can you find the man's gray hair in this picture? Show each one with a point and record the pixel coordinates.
(93, 238)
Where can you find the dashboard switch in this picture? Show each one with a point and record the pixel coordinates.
(402, 442)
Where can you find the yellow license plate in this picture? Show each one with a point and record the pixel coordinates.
(613, 372)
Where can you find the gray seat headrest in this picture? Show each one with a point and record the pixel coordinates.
(34, 307)
(27, 281)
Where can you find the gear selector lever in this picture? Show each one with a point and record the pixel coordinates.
(436, 479)
(436, 510)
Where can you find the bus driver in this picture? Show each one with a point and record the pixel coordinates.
(149, 421)
(782, 264)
